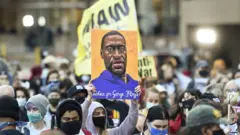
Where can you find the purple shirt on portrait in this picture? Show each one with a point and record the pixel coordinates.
(114, 86)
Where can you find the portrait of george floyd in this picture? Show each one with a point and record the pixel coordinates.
(114, 64)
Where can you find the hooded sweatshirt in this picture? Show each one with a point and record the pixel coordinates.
(109, 82)
(70, 104)
(127, 126)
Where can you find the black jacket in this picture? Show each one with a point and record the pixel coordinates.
(10, 132)
(23, 114)
(119, 106)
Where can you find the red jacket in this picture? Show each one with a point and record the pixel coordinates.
(175, 125)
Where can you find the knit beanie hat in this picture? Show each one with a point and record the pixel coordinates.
(9, 107)
(66, 105)
(41, 102)
(157, 113)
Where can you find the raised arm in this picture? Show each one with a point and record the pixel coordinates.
(86, 104)
(128, 125)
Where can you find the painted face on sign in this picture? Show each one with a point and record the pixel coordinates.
(114, 54)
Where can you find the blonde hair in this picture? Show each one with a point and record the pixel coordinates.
(151, 89)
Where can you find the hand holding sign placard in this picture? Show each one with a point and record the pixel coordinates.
(104, 14)
(114, 64)
(147, 67)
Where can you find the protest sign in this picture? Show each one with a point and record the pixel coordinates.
(147, 67)
(104, 14)
(114, 64)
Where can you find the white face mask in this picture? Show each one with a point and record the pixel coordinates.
(150, 105)
(21, 101)
(233, 128)
(237, 81)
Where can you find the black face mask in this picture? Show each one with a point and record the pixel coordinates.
(188, 103)
(204, 73)
(218, 132)
(80, 100)
(71, 128)
(100, 122)
(54, 101)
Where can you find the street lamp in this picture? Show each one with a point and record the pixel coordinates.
(206, 36)
(28, 21)
(41, 21)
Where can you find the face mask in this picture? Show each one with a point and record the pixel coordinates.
(80, 100)
(71, 128)
(233, 128)
(150, 105)
(155, 131)
(21, 101)
(99, 122)
(237, 81)
(203, 73)
(218, 132)
(34, 117)
(54, 101)
(188, 103)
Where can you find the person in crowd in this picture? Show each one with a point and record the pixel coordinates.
(22, 96)
(219, 67)
(65, 85)
(232, 129)
(53, 76)
(97, 120)
(36, 72)
(78, 92)
(7, 90)
(231, 93)
(82, 111)
(64, 68)
(54, 98)
(203, 120)
(236, 77)
(52, 132)
(49, 63)
(36, 110)
(201, 76)
(169, 80)
(182, 79)
(216, 90)
(66, 72)
(220, 78)
(9, 115)
(211, 97)
(4, 78)
(207, 101)
(83, 79)
(115, 105)
(157, 121)
(178, 111)
(69, 118)
(156, 95)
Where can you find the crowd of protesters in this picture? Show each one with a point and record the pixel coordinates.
(54, 101)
